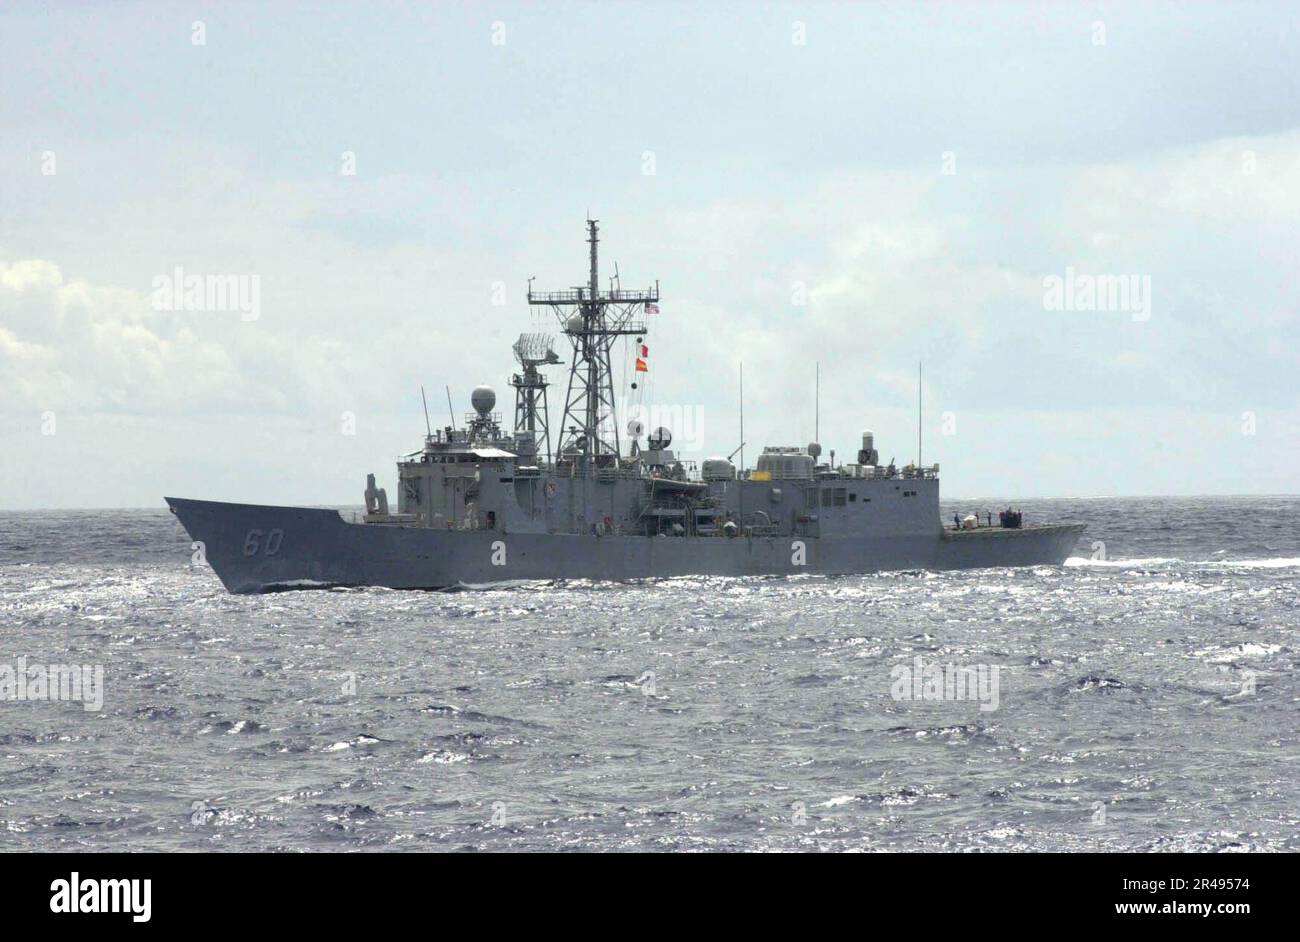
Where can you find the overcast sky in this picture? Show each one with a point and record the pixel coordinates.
(857, 185)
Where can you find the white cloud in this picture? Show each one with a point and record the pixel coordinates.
(30, 275)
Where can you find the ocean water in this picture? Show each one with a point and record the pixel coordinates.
(1146, 700)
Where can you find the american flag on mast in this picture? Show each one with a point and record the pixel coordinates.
(651, 307)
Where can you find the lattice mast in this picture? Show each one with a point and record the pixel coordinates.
(532, 417)
(592, 320)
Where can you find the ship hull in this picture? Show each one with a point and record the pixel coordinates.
(257, 548)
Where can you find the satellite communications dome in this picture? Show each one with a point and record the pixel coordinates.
(483, 399)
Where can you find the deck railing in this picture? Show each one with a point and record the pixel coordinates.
(578, 295)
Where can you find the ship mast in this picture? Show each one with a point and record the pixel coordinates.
(592, 320)
(532, 414)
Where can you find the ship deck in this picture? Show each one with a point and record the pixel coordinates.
(1011, 533)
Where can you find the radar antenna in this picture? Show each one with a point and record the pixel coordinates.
(592, 320)
(532, 414)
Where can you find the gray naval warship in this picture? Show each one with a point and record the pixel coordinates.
(483, 503)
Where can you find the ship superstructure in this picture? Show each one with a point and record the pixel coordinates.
(483, 501)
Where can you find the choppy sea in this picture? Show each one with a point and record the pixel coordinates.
(1146, 698)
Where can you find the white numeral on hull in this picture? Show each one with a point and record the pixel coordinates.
(253, 542)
